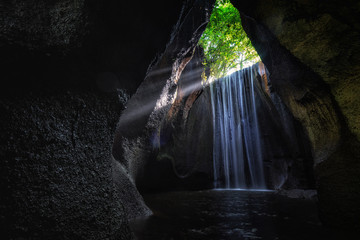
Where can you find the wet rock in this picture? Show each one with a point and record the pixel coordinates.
(299, 193)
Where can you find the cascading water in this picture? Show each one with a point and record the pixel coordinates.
(237, 152)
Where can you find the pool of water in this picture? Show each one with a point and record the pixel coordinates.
(217, 214)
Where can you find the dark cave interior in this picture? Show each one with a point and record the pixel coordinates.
(105, 121)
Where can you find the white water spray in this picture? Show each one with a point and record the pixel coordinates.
(238, 161)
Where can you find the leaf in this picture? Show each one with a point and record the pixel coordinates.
(224, 41)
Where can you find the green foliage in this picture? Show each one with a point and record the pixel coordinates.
(225, 42)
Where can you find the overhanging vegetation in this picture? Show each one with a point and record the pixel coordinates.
(226, 45)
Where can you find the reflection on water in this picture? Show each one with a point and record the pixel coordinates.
(215, 214)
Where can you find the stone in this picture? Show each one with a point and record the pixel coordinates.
(310, 52)
(55, 175)
(185, 135)
(140, 122)
(68, 68)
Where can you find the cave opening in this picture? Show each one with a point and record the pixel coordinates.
(227, 48)
(237, 153)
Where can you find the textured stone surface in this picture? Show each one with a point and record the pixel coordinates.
(322, 36)
(301, 90)
(92, 38)
(313, 60)
(56, 178)
(150, 104)
(299, 193)
(286, 150)
(335, 57)
(185, 138)
(62, 24)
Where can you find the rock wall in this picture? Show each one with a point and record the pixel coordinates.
(99, 41)
(56, 178)
(183, 144)
(286, 151)
(67, 69)
(313, 61)
(147, 108)
(329, 29)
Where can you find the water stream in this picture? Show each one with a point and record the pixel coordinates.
(237, 150)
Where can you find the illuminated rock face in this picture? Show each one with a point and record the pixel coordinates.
(313, 62)
(140, 123)
(182, 146)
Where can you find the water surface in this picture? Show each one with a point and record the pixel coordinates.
(229, 214)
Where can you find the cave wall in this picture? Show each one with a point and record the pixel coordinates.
(288, 162)
(182, 147)
(142, 119)
(83, 42)
(329, 29)
(68, 69)
(56, 179)
(310, 52)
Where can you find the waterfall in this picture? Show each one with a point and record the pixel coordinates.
(237, 150)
